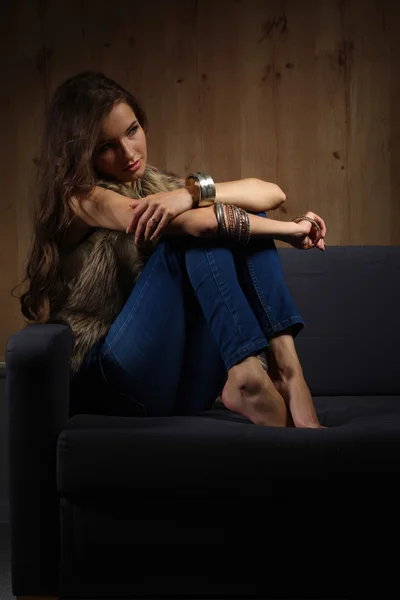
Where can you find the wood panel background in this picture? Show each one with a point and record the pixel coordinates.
(304, 93)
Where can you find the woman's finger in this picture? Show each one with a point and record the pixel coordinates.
(135, 203)
(160, 227)
(320, 222)
(316, 234)
(321, 244)
(137, 212)
(142, 223)
(151, 225)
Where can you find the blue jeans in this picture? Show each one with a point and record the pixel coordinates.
(199, 307)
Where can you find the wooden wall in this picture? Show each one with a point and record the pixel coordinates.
(304, 93)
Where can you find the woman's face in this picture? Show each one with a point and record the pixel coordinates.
(121, 150)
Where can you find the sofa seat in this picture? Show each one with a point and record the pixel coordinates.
(158, 506)
(109, 455)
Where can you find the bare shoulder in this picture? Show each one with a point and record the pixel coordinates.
(103, 208)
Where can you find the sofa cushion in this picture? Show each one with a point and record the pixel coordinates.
(105, 457)
(349, 299)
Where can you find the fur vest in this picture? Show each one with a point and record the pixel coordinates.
(101, 271)
(100, 274)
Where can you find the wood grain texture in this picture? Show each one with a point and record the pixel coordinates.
(21, 107)
(300, 92)
(391, 26)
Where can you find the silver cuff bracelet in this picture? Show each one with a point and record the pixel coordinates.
(207, 188)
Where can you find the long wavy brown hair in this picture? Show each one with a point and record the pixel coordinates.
(65, 169)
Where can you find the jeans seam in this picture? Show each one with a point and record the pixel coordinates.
(284, 324)
(221, 290)
(273, 324)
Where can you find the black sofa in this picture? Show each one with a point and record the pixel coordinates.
(107, 506)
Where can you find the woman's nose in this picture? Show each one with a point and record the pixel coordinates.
(126, 151)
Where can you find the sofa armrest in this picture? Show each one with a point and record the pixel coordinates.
(37, 396)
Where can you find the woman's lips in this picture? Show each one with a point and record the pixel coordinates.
(133, 167)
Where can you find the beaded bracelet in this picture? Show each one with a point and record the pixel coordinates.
(316, 225)
(238, 227)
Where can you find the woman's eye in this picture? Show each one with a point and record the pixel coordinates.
(133, 130)
(103, 148)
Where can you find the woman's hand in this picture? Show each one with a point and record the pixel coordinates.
(305, 234)
(163, 207)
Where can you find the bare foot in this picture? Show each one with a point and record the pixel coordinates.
(299, 402)
(250, 392)
(296, 393)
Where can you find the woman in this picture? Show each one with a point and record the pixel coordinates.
(170, 300)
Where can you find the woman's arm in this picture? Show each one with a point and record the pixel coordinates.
(251, 194)
(203, 223)
(108, 209)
